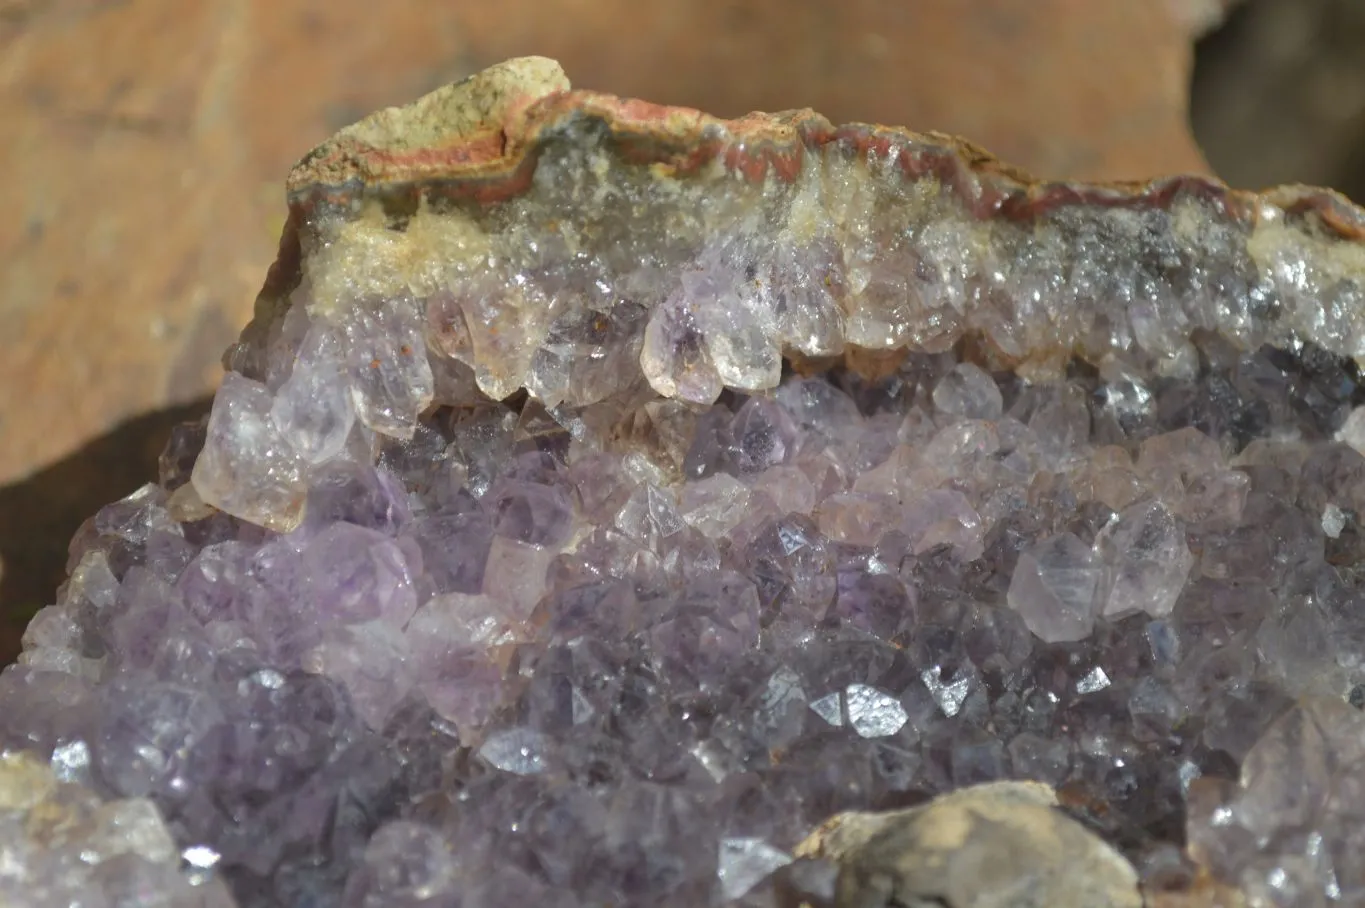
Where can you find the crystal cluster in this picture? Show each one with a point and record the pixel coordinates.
(605, 496)
(64, 845)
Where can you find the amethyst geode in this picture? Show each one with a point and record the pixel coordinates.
(604, 496)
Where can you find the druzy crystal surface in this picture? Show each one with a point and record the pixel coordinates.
(605, 496)
(64, 845)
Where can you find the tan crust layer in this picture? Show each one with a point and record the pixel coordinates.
(479, 140)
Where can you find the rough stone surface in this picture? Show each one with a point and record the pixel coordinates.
(1001, 845)
(605, 495)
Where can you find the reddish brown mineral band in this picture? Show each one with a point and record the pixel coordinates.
(496, 162)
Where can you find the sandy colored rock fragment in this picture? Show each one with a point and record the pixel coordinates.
(1205, 893)
(1000, 845)
(24, 781)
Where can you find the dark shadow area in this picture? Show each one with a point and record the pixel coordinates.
(40, 514)
(1278, 95)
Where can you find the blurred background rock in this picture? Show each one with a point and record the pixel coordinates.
(143, 144)
(1279, 94)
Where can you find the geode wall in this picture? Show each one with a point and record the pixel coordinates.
(604, 496)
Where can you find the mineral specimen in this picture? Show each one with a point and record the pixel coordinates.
(604, 496)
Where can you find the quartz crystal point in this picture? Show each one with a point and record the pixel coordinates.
(605, 495)
(1056, 588)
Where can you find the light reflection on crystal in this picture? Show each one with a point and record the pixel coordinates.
(874, 713)
(201, 856)
(1094, 680)
(1333, 521)
(746, 861)
(1188, 772)
(71, 761)
(949, 696)
(519, 751)
(830, 708)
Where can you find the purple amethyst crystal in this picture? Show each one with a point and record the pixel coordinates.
(590, 531)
